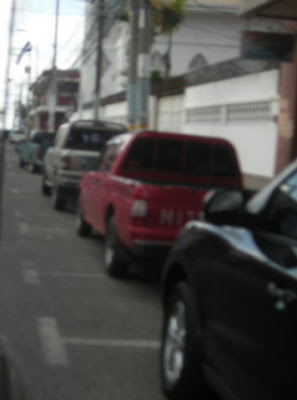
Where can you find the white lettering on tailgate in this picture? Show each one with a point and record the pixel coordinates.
(167, 217)
(177, 218)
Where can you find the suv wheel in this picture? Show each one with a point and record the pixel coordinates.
(58, 200)
(180, 364)
(82, 226)
(115, 258)
(45, 189)
(21, 163)
(32, 168)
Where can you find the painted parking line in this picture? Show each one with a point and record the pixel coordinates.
(135, 344)
(31, 276)
(24, 228)
(53, 348)
(18, 213)
(75, 275)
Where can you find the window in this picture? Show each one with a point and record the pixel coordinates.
(37, 138)
(198, 159)
(88, 139)
(140, 155)
(108, 156)
(224, 163)
(169, 158)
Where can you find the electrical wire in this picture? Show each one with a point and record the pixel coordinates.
(198, 29)
(197, 44)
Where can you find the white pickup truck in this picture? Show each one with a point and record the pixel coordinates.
(76, 148)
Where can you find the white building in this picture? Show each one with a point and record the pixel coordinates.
(209, 34)
(240, 105)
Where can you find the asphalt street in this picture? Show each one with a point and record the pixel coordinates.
(74, 333)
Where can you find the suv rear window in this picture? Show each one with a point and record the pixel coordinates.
(88, 139)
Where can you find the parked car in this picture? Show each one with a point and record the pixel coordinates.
(32, 151)
(17, 137)
(230, 297)
(146, 186)
(77, 145)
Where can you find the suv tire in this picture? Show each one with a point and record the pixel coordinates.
(181, 373)
(45, 188)
(58, 200)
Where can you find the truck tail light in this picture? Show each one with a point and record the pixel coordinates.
(66, 162)
(139, 213)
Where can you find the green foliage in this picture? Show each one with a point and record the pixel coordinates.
(167, 15)
(157, 76)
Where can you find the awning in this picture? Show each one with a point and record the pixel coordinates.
(286, 9)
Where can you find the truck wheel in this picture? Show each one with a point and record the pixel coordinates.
(115, 260)
(58, 200)
(45, 189)
(82, 226)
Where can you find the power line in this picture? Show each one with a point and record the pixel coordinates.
(197, 44)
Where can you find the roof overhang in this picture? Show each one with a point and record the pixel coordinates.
(285, 9)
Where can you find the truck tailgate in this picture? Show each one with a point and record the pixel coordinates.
(170, 207)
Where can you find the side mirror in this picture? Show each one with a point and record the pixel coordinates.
(223, 206)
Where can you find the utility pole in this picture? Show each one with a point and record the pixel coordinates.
(53, 100)
(7, 77)
(97, 93)
(5, 103)
(144, 63)
(132, 85)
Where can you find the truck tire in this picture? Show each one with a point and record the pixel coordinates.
(83, 228)
(58, 200)
(115, 259)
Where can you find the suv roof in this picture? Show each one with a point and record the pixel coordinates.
(97, 124)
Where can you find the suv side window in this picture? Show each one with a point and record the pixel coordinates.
(224, 164)
(108, 156)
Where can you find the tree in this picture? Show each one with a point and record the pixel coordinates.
(167, 15)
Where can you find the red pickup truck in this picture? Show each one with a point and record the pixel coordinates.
(147, 185)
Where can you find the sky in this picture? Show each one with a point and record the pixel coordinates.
(35, 23)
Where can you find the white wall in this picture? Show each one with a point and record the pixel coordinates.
(216, 36)
(242, 110)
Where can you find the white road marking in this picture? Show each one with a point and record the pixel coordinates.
(52, 344)
(18, 213)
(136, 344)
(27, 263)
(31, 276)
(15, 191)
(75, 275)
(24, 228)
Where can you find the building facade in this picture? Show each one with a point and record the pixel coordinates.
(63, 99)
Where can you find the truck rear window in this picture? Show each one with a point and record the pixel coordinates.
(88, 139)
(193, 158)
